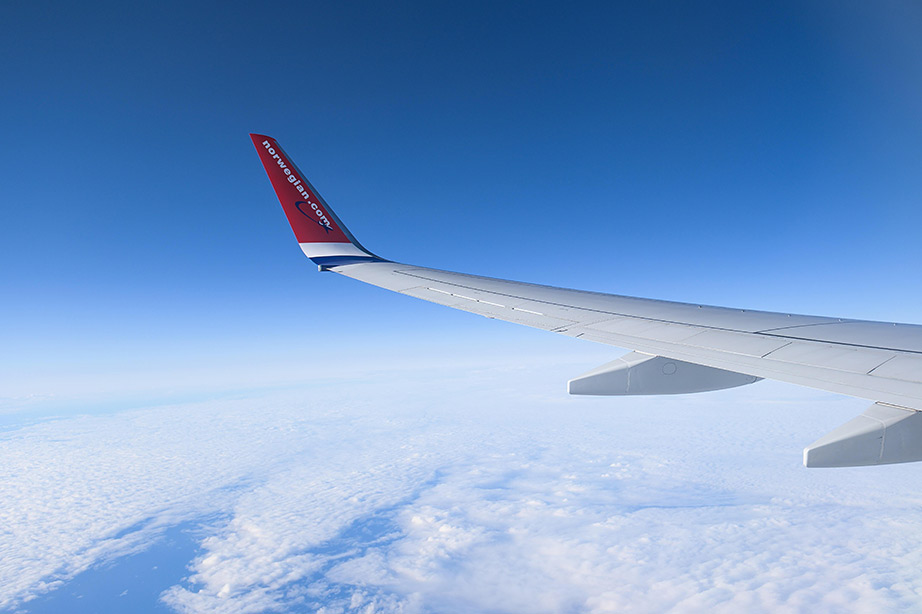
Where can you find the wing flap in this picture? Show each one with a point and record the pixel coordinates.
(840, 358)
(880, 335)
(651, 329)
(901, 367)
(746, 344)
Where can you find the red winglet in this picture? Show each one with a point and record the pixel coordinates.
(310, 217)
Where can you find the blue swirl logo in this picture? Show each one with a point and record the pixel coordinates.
(322, 222)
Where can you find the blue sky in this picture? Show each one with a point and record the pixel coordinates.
(763, 157)
(181, 390)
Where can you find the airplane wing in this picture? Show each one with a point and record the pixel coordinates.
(677, 347)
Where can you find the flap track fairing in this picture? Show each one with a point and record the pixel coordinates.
(882, 435)
(642, 374)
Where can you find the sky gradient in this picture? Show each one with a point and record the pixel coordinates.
(761, 157)
(193, 419)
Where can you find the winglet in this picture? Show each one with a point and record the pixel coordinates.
(322, 236)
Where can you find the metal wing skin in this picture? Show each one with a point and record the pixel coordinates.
(678, 347)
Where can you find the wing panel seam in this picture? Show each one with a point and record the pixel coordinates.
(627, 315)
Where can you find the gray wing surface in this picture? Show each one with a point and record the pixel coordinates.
(677, 347)
(873, 360)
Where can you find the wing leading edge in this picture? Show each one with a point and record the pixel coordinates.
(678, 347)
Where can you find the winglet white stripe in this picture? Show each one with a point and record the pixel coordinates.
(323, 250)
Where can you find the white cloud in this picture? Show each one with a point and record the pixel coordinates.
(481, 490)
(69, 488)
(597, 536)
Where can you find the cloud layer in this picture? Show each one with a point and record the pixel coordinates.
(457, 492)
